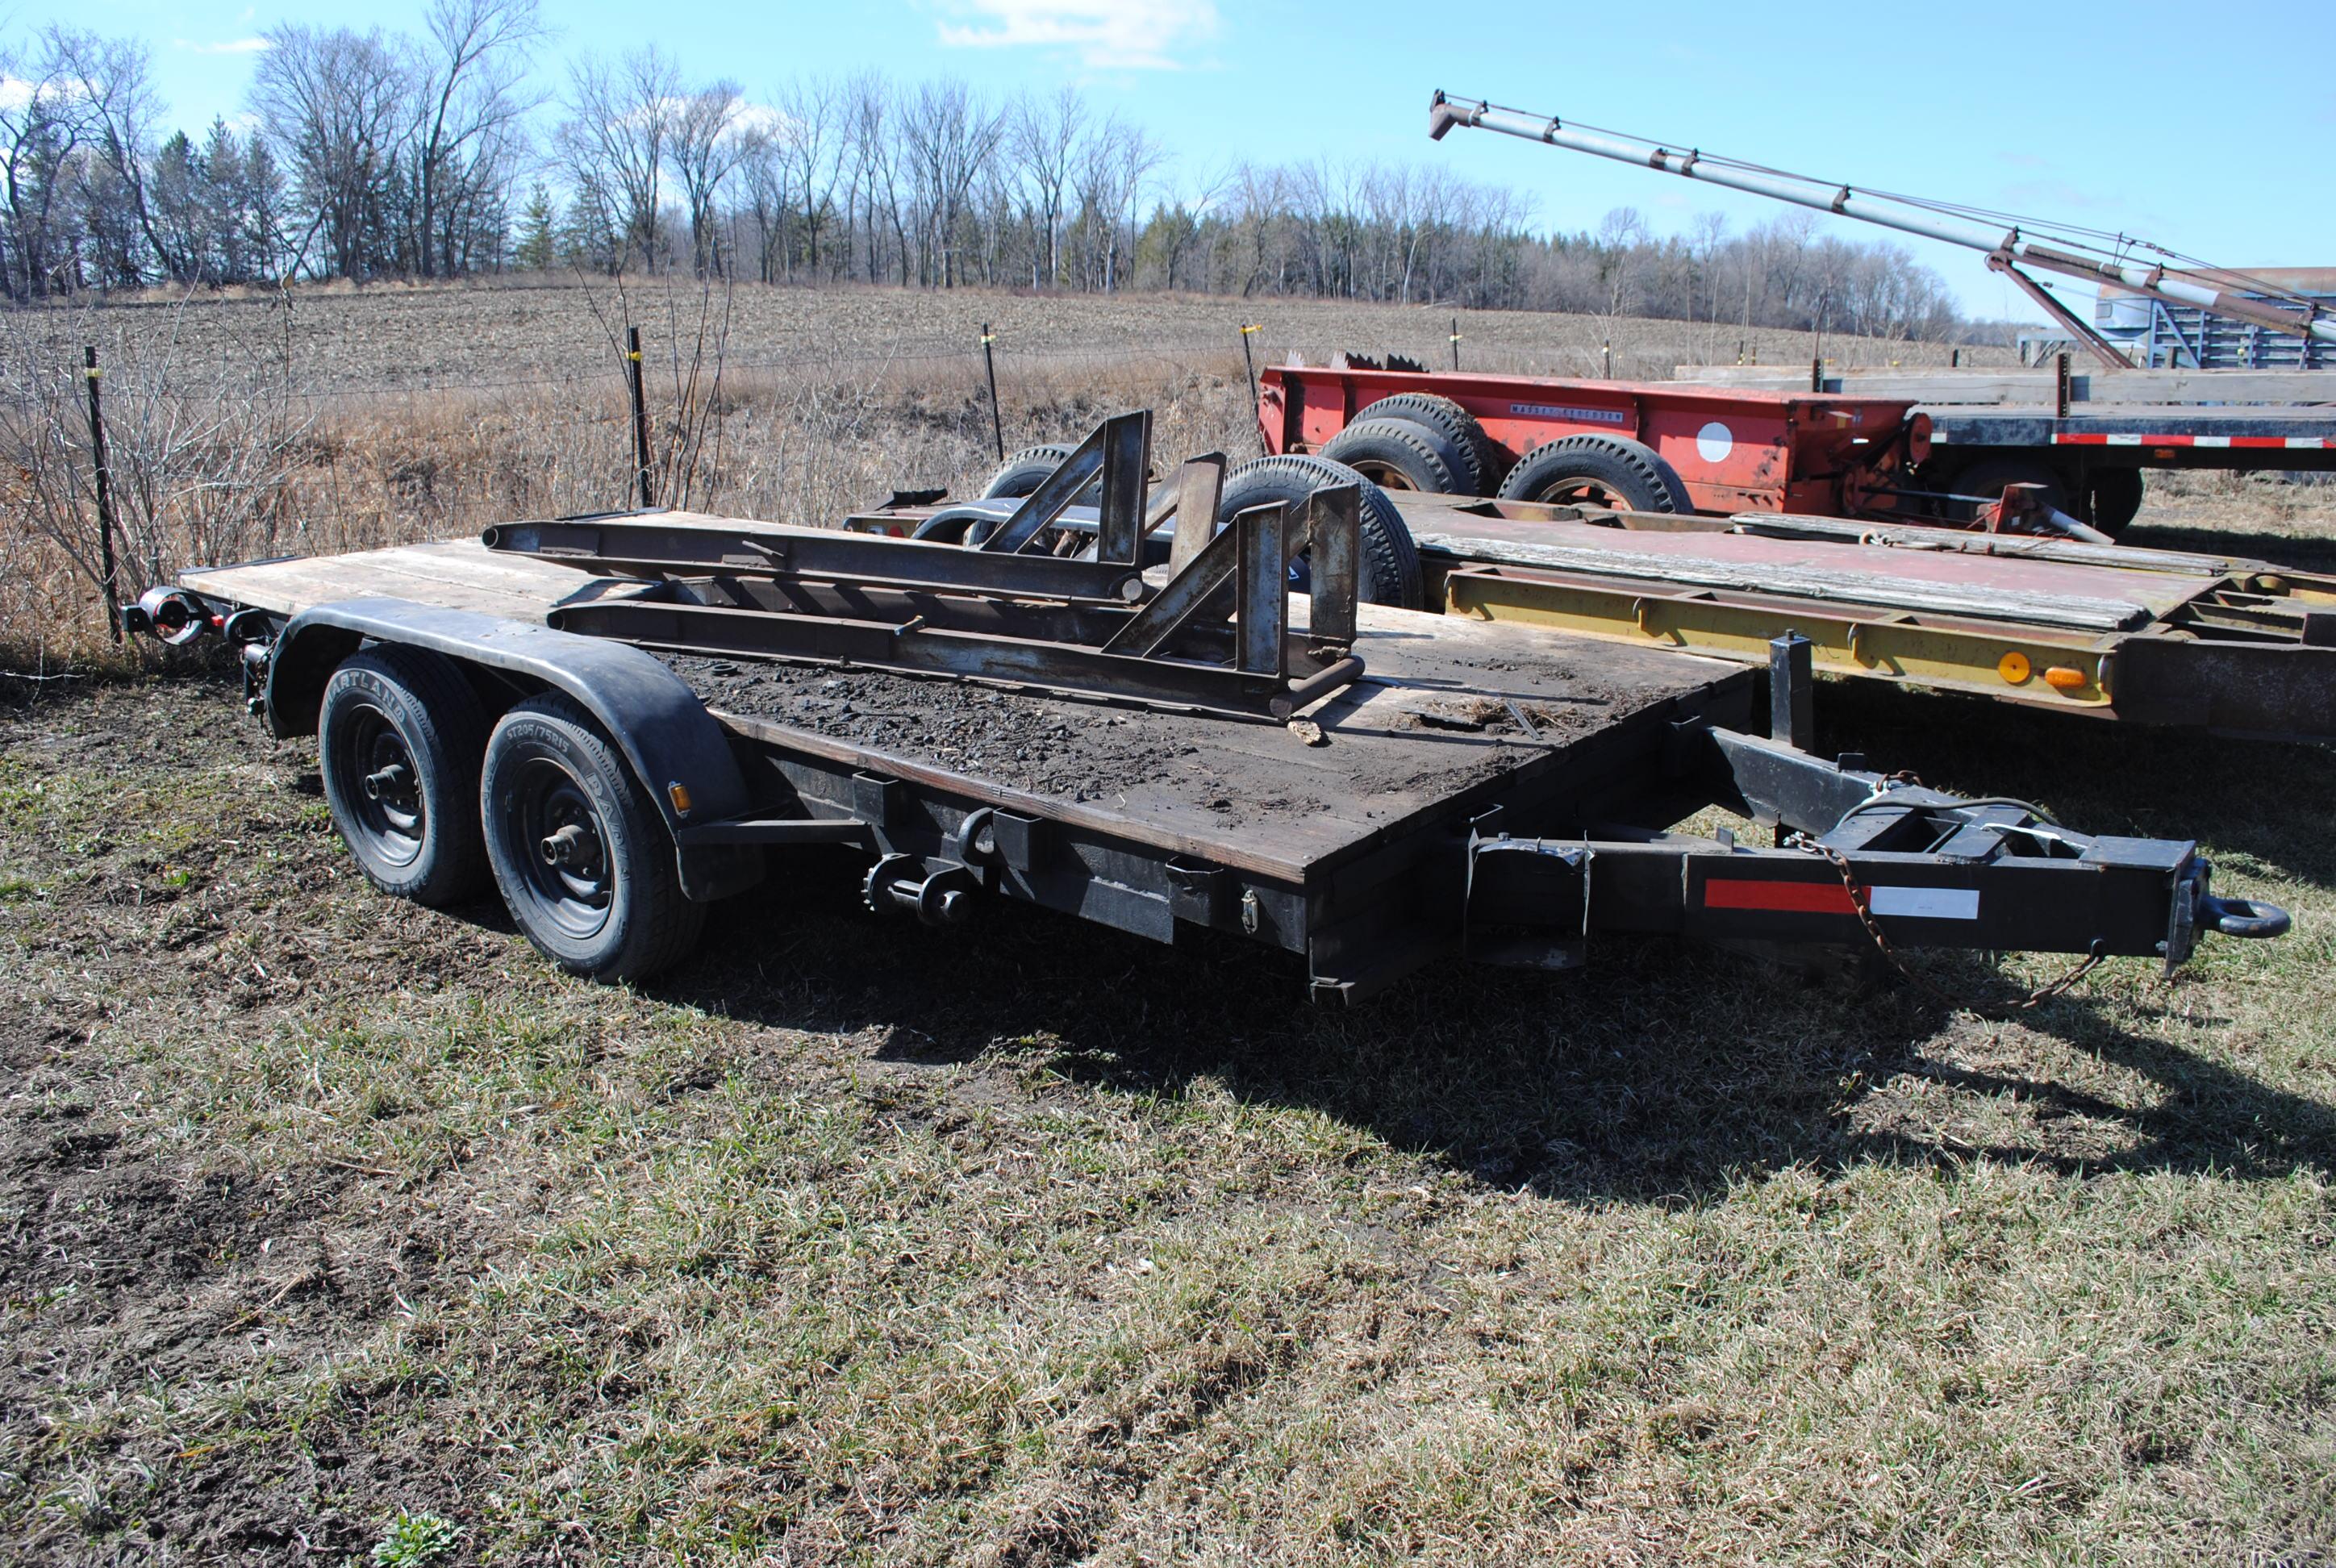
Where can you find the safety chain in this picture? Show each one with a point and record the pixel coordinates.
(1865, 911)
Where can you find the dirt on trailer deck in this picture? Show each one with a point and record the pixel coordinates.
(1444, 722)
(1083, 751)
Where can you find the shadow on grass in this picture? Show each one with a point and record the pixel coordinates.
(1661, 1073)
(2306, 552)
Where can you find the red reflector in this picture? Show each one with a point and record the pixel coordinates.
(1795, 898)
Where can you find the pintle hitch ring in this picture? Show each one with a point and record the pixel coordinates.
(2251, 918)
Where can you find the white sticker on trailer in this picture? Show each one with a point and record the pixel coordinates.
(1925, 903)
(1579, 415)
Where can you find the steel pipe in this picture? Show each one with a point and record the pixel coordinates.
(2173, 285)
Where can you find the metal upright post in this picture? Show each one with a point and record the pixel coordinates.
(990, 368)
(104, 496)
(1252, 363)
(1791, 695)
(1455, 343)
(640, 416)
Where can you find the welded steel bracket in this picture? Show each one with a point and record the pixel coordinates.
(1217, 635)
(1120, 450)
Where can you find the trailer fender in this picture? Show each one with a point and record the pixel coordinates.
(680, 754)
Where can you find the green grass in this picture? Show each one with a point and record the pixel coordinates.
(1037, 1244)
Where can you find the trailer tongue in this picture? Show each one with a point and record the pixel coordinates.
(645, 706)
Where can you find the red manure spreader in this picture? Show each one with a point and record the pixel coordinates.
(1635, 446)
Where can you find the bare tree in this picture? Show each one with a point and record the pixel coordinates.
(336, 102)
(470, 100)
(43, 122)
(112, 78)
(807, 138)
(706, 143)
(620, 121)
(948, 135)
(1039, 139)
(1113, 164)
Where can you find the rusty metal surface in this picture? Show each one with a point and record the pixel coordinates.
(2267, 690)
(1217, 636)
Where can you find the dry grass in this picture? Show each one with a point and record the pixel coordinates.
(336, 419)
(1037, 1244)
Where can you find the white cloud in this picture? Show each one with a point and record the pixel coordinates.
(762, 120)
(1105, 34)
(232, 46)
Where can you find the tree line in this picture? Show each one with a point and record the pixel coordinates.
(434, 154)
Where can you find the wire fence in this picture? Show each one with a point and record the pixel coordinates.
(216, 458)
(207, 469)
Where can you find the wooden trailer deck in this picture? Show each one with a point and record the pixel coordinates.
(2150, 637)
(1448, 715)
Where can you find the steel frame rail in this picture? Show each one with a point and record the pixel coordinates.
(1215, 636)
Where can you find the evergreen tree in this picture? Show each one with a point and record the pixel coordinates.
(538, 240)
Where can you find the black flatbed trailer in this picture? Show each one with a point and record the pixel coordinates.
(2099, 435)
(629, 749)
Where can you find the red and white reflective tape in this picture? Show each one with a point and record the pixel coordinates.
(1779, 897)
(2275, 442)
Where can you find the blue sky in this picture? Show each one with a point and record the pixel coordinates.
(2112, 117)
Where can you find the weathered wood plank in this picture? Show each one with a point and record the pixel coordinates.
(1784, 577)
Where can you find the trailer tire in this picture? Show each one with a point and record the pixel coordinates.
(1575, 469)
(1398, 454)
(582, 858)
(1025, 471)
(1390, 560)
(2113, 497)
(414, 835)
(1482, 460)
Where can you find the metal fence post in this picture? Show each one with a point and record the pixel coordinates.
(640, 416)
(104, 496)
(1455, 343)
(1247, 360)
(990, 368)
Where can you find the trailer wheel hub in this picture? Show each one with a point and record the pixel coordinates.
(572, 845)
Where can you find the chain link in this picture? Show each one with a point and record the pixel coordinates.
(1865, 911)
